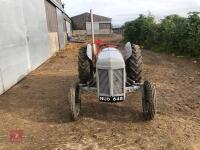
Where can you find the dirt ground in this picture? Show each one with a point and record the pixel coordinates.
(38, 105)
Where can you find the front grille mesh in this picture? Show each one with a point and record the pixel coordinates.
(103, 82)
(118, 84)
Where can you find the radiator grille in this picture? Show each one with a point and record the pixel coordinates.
(103, 82)
(118, 84)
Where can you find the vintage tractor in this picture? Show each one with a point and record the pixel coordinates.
(104, 70)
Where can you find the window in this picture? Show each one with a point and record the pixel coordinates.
(104, 26)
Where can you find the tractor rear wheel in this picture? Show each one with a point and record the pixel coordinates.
(83, 65)
(75, 102)
(134, 66)
(149, 101)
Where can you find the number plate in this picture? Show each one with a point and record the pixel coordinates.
(111, 99)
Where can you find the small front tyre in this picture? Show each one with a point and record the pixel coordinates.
(75, 102)
(149, 101)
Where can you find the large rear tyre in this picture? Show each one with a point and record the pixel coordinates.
(134, 66)
(75, 102)
(84, 66)
(149, 101)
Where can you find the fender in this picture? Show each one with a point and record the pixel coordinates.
(128, 50)
(89, 51)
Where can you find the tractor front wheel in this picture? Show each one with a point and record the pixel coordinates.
(149, 101)
(75, 102)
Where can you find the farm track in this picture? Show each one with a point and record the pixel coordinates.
(39, 106)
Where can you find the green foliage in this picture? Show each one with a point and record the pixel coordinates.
(173, 34)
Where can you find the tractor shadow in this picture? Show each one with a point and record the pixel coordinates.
(112, 112)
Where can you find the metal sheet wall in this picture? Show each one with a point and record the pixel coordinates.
(98, 28)
(64, 26)
(88, 28)
(51, 15)
(14, 58)
(23, 40)
(61, 36)
(69, 28)
(37, 32)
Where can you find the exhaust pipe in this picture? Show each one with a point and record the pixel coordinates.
(92, 31)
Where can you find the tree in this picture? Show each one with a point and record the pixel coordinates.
(174, 34)
(139, 30)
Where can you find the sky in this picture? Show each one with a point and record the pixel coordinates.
(125, 10)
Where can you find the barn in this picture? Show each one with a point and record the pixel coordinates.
(81, 24)
(31, 32)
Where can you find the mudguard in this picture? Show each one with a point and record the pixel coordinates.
(89, 51)
(128, 50)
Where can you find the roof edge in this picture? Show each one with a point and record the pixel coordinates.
(55, 3)
(89, 13)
